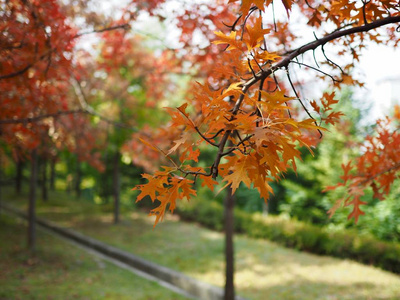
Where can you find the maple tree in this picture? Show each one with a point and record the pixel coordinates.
(116, 85)
(36, 68)
(298, 194)
(51, 84)
(30, 85)
(375, 168)
(254, 113)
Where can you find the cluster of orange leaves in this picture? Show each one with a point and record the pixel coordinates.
(262, 137)
(246, 113)
(375, 168)
(32, 44)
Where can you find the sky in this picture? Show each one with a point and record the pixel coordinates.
(381, 66)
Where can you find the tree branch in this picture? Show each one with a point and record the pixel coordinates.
(261, 75)
(19, 72)
(30, 65)
(125, 26)
(40, 117)
(322, 41)
(205, 138)
(388, 170)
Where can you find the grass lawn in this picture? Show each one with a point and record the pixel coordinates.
(264, 270)
(59, 270)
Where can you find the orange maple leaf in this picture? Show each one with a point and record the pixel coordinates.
(356, 212)
(209, 182)
(246, 5)
(230, 39)
(237, 171)
(288, 5)
(255, 34)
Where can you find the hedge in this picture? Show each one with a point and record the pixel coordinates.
(298, 235)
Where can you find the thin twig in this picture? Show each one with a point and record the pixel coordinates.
(30, 65)
(330, 61)
(217, 134)
(41, 117)
(318, 70)
(284, 63)
(301, 102)
(104, 29)
(364, 12)
(251, 68)
(205, 138)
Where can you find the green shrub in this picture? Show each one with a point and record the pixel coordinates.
(298, 235)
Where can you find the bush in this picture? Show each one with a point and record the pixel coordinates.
(298, 235)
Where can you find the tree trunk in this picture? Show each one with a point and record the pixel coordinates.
(69, 184)
(44, 180)
(32, 202)
(78, 178)
(52, 173)
(1, 179)
(18, 178)
(116, 186)
(229, 249)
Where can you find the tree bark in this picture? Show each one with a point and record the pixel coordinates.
(229, 248)
(272, 205)
(52, 173)
(68, 187)
(32, 203)
(116, 186)
(18, 178)
(78, 178)
(1, 179)
(44, 180)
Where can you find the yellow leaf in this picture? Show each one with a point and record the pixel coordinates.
(227, 39)
(246, 4)
(238, 172)
(263, 187)
(268, 56)
(151, 146)
(178, 143)
(309, 124)
(276, 98)
(209, 182)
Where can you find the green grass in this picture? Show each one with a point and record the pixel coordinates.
(58, 270)
(264, 270)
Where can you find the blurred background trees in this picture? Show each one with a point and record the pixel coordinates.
(91, 83)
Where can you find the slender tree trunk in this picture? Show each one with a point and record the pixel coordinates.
(69, 184)
(272, 204)
(18, 178)
(70, 177)
(32, 202)
(229, 249)
(52, 173)
(1, 179)
(116, 186)
(44, 180)
(78, 178)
